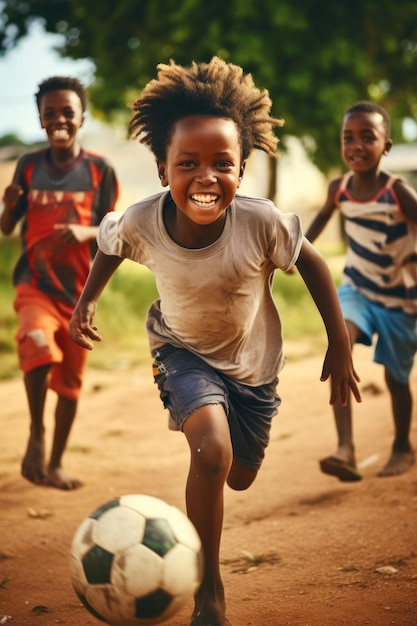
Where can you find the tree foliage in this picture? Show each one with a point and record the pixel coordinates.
(315, 59)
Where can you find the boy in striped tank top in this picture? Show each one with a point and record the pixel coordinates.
(378, 294)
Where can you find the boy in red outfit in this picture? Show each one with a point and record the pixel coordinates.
(60, 194)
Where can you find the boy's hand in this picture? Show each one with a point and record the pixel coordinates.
(338, 366)
(82, 329)
(76, 233)
(11, 195)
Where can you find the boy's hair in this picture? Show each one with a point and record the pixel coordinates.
(216, 89)
(62, 82)
(366, 106)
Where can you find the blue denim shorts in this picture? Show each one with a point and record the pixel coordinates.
(396, 332)
(186, 383)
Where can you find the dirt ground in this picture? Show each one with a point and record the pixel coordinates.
(320, 544)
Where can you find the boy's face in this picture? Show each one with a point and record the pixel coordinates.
(203, 167)
(364, 140)
(61, 115)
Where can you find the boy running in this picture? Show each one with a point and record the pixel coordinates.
(214, 333)
(60, 194)
(379, 291)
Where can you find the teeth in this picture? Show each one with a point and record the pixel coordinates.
(204, 200)
(60, 133)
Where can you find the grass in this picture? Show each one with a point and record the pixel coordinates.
(122, 310)
(248, 562)
(8, 256)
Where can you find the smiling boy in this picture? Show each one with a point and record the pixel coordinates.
(379, 291)
(60, 194)
(214, 332)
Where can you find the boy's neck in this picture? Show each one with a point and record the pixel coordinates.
(62, 158)
(364, 185)
(186, 233)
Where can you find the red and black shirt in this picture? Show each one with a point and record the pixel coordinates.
(82, 194)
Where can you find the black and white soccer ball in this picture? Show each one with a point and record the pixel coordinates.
(135, 560)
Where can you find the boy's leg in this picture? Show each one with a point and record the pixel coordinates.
(208, 436)
(402, 455)
(342, 463)
(65, 380)
(211, 410)
(344, 427)
(33, 464)
(37, 350)
(36, 384)
(65, 411)
(240, 477)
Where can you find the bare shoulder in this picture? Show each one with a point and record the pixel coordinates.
(402, 186)
(407, 198)
(334, 185)
(332, 190)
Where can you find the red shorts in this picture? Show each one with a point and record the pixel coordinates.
(43, 338)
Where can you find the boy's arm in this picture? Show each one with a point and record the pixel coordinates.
(82, 328)
(407, 198)
(77, 233)
(325, 213)
(338, 363)
(9, 218)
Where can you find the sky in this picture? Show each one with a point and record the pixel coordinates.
(21, 70)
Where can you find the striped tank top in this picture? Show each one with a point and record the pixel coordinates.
(381, 261)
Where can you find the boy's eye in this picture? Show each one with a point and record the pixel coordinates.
(220, 165)
(364, 138)
(67, 113)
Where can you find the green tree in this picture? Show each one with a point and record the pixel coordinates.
(315, 60)
(10, 139)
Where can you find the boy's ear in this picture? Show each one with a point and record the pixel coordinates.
(162, 173)
(388, 146)
(241, 172)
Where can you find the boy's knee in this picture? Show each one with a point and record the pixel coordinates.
(212, 459)
(240, 477)
(393, 383)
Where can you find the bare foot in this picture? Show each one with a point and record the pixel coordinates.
(209, 611)
(208, 618)
(398, 463)
(33, 464)
(56, 477)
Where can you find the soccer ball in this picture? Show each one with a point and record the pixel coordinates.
(135, 560)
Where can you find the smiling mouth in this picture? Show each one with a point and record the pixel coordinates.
(60, 133)
(204, 201)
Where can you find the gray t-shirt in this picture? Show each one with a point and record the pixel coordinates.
(214, 301)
